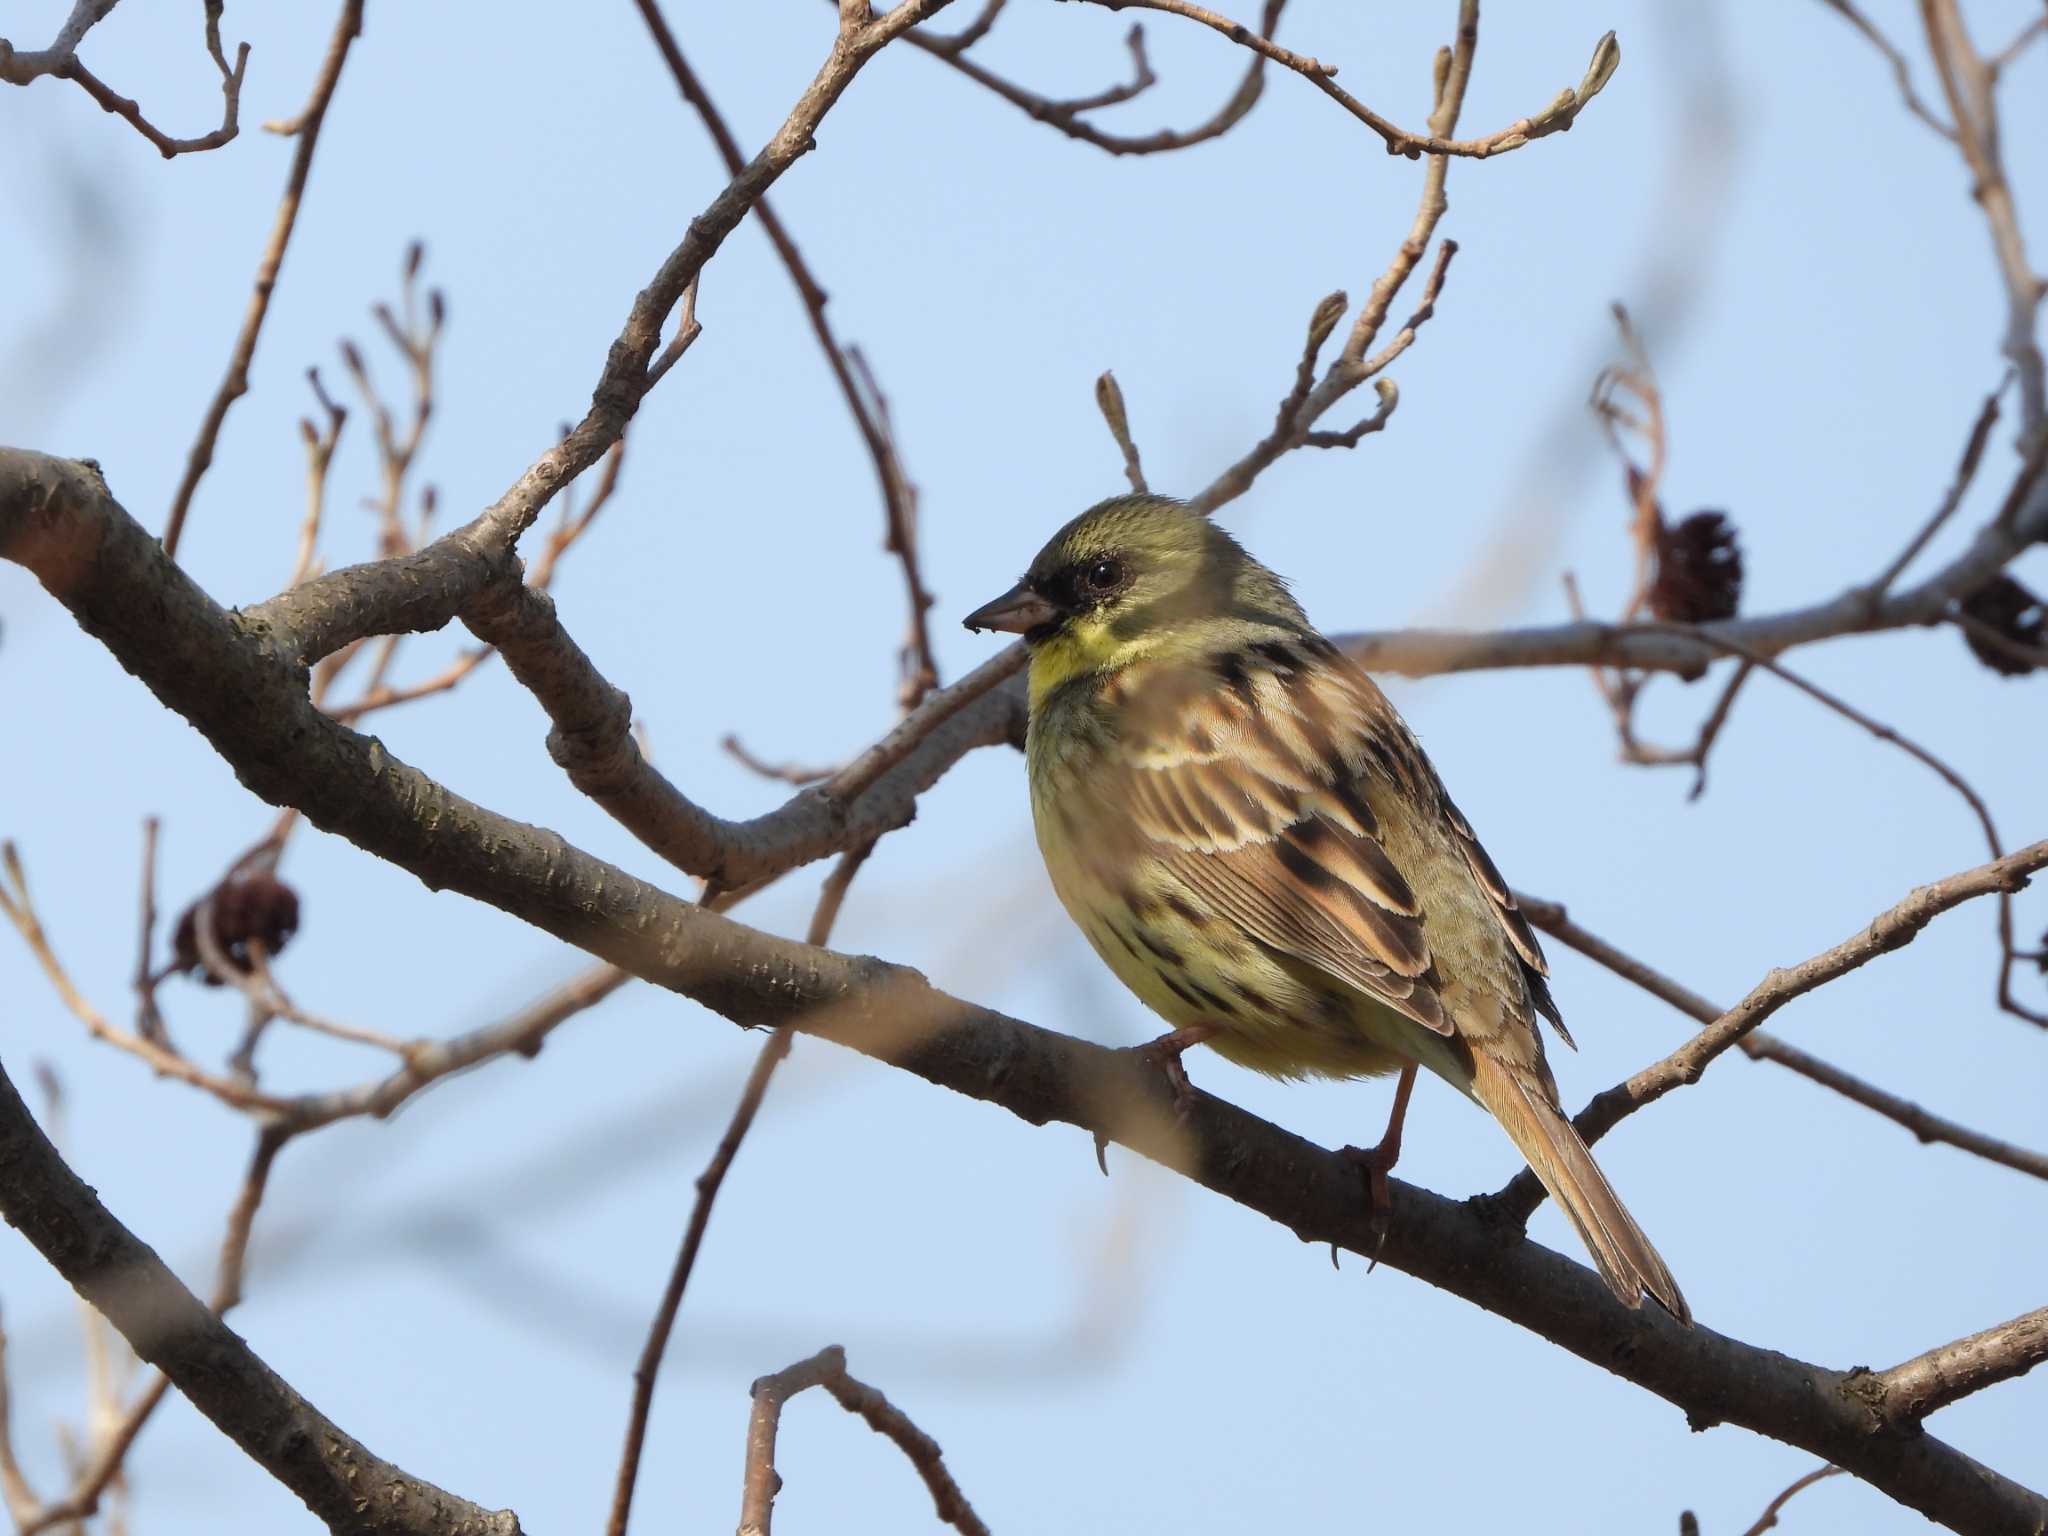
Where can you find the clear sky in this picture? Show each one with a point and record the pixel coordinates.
(466, 1287)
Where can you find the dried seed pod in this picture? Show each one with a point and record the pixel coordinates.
(1699, 570)
(256, 906)
(2013, 613)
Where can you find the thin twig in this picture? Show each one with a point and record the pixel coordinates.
(1891, 929)
(827, 1369)
(1109, 399)
(1769, 1517)
(1638, 380)
(1966, 471)
(1067, 115)
(1760, 1045)
(236, 384)
(1901, 70)
(708, 1182)
(320, 442)
(20, 911)
(959, 42)
(785, 773)
(1557, 117)
(864, 397)
(917, 666)
(2008, 949)
(1970, 84)
(1305, 404)
(23, 1504)
(61, 59)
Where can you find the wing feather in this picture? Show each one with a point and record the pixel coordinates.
(1250, 788)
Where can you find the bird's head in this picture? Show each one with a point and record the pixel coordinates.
(1136, 578)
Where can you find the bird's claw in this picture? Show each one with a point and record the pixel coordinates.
(1165, 1054)
(1374, 1162)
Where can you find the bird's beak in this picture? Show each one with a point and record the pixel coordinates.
(1018, 611)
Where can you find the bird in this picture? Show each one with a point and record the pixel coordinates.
(1256, 844)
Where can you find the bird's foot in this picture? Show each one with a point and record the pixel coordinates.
(1376, 1162)
(1165, 1054)
(1379, 1161)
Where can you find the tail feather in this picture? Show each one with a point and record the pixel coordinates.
(1627, 1261)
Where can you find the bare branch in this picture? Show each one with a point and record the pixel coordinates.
(1304, 406)
(959, 42)
(1953, 1371)
(827, 1369)
(236, 384)
(60, 60)
(110, 1452)
(215, 672)
(1067, 117)
(864, 397)
(1109, 399)
(1773, 1509)
(708, 1183)
(1966, 471)
(341, 1481)
(1970, 85)
(1558, 117)
(1759, 1045)
(1894, 928)
(19, 910)
(799, 774)
(1901, 70)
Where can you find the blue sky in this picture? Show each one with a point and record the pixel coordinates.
(465, 1287)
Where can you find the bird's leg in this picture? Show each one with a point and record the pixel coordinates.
(1165, 1053)
(1378, 1161)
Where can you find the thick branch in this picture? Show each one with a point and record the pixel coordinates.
(211, 668)
(341, 1480)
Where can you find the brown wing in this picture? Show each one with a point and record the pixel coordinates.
(1535, 969)
(1247, 777)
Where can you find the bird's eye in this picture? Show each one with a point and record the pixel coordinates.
(1103, 576)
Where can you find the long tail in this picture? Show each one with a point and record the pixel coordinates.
(1546, 1138)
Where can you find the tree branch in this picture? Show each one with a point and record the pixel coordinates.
(219, 673)
(1893, 928)
(341, 1481)
(60, 60)
(1558, 117)
(1066, 115)
(1760, 1045)
(1953, 1371)
(827, 1369)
